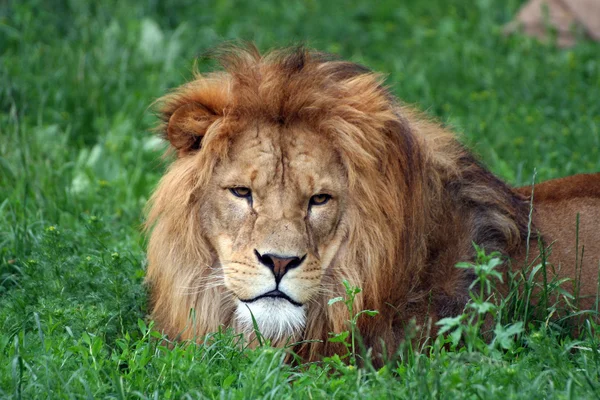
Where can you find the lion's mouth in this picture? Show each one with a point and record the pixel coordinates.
(274, 294)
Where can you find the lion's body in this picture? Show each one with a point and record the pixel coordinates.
(296, 172)
(566, 212)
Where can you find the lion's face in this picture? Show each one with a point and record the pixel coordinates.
(275, 215)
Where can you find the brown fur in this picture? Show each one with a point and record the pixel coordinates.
(573, 251)
(415, 202)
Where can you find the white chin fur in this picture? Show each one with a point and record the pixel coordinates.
(276, 318)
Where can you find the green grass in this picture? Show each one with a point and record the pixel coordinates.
(77, 163)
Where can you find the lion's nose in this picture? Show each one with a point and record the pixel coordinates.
(279, 265)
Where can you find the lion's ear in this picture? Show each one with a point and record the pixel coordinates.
(187, 125)
(189, 111)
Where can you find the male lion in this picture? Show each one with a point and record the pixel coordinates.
(295, 172)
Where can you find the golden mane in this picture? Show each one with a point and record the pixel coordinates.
(422, 198)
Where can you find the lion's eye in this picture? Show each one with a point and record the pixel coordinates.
(319, 199)
(242, 192)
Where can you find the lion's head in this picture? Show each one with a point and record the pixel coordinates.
(295, 172)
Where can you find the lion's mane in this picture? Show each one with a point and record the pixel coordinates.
(422, 198)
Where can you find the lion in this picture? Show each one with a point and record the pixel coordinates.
(295, 171)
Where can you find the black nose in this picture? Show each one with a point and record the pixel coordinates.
(279, 265)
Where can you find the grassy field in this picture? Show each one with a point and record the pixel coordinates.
(77, 164)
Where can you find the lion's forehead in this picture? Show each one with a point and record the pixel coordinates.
(278, 158)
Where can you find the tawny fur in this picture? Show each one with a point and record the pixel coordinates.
(419, 200)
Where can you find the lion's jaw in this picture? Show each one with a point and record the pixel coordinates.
(275, 318)
(278, 223)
